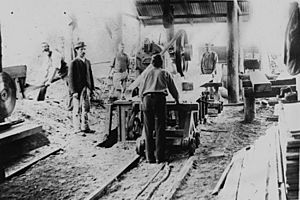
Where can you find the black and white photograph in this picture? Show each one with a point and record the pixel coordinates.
(149, 99)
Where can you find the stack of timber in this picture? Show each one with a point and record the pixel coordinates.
(289, 129)
(255, 172)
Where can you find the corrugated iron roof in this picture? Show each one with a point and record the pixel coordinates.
(189, 11)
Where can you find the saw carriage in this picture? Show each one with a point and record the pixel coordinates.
(181, 119)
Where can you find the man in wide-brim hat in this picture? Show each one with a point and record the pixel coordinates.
(81, 84)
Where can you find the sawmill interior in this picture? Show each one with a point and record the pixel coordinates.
(150, 99)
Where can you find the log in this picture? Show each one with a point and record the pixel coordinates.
(233, 57)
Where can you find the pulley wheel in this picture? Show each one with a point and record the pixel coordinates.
(7, 95)
(182, 58)
(188, 52)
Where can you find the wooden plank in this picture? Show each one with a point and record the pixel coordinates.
(211, 84)
(280, 83)
(11, 173)
(254, 172)
(97, 193)
(231, 186)
(280, 147)
(150, 180)
(18, 132)
(273, 93)
(262, 172)
(260, 82)
(223, 177)
(180, 178)
(244, 190)
(272, 181)
(16, 71)
(284, 82)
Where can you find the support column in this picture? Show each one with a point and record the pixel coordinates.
(168, 18)
(233, 53)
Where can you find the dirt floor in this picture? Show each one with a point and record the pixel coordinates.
(81, 167)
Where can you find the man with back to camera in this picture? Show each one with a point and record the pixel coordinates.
(154, 85)
(81, 85)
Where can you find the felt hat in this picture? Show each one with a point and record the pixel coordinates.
(79, 45)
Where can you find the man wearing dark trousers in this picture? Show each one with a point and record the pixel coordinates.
(81, 86)
(154, 84)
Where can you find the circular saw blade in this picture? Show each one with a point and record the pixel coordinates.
(7, 95)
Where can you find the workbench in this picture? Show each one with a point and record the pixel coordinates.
(123, 109)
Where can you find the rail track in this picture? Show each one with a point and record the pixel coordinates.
(140, 180)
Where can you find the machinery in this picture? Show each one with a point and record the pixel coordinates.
(179, 52)
(180, 129)
(7, 95)
(181, 119)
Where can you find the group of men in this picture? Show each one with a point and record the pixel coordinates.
(154, 84)
(78, 77)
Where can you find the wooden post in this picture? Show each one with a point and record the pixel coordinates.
(233, 52)
(249, 105)
(168, 18)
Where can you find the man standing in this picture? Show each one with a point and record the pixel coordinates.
(154, 84)
(119, 72)
(209, 68)
(50, 63)
(81, 86)
(209, 61)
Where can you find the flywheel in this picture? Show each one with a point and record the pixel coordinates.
(7, 95)
(183, 53)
